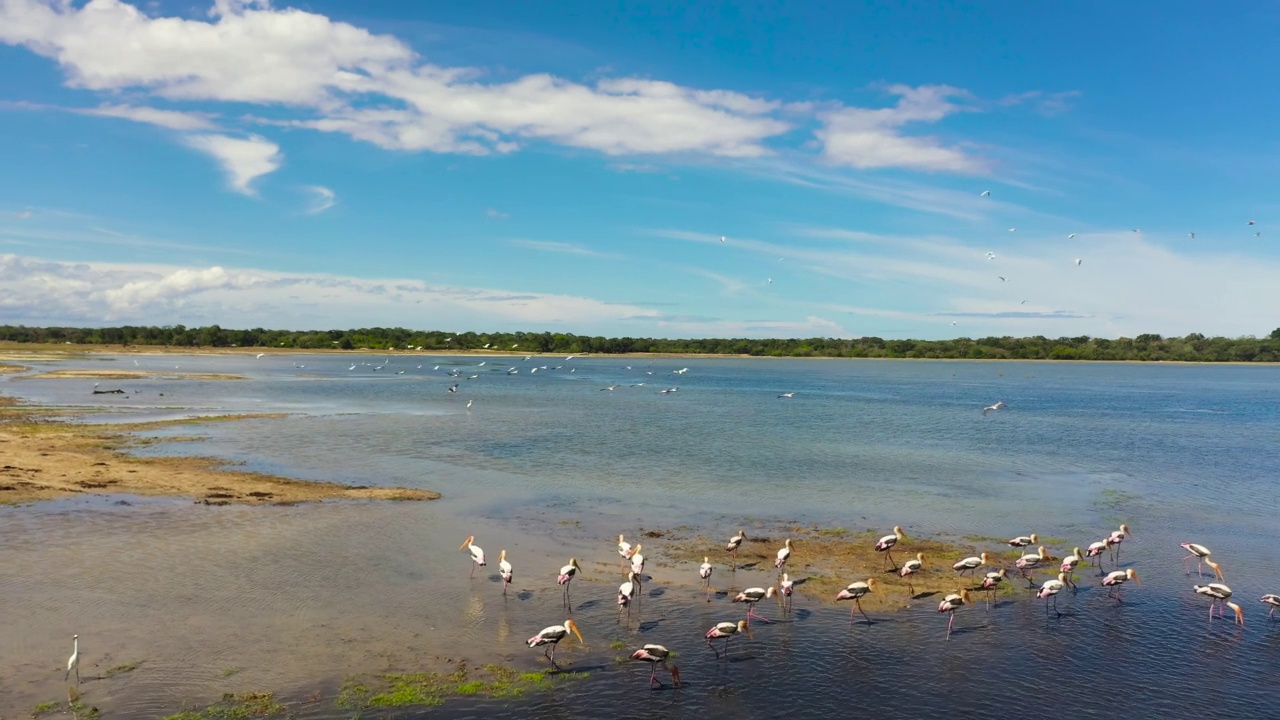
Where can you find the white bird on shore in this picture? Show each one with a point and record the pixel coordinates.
(734, 543)
(552, 636)
(969, 564)
(477, 555)
(469, 404)
(886, 543)
(784, 553)
(911, 567)
(504, 569)
(73, 662)
(624, 549)
(1023, 541)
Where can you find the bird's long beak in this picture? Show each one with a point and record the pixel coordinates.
(1135, 578)
(573, 626)
(470, 539)
(1217, 570)
(675, 674)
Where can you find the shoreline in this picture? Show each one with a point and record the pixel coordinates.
(31, 352)
(51, 459)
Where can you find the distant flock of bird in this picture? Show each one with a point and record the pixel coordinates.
(658, 656)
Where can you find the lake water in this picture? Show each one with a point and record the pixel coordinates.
(548, 465)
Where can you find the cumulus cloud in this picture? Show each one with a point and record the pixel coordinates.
(244, 159)
(866, 138)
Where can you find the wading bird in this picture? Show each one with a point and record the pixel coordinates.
(1273, 601)
(751, 596)
(886, 543)
(477, 555)
(1069, 564)
(566, 574)
(1116, 581)
(724, 630)
(624, 550)
(704, 571)
(1201, 555)
(786, 586)
(784, 553)
(1219, 595)
(657, 656)
(637, 561)
(855, 592)
(626, 592)
(909, 568)
(1031, 561)
(552, 636)
(73, 662)
(734, 543)
(969, 564)
(1114, 540)
(1024, 540)
(1095, 551)
(1050, 589)
(504, 569)
(950, 604)
(991, 581)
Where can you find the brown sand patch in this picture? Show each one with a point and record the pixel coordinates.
(45, 459)
(824, 560)
(127, 375)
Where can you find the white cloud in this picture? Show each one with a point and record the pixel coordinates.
(865, 138)
(562, 248)
(322, 198)
(496, 214)
(244, 159)
(172, 119)
(36, 291)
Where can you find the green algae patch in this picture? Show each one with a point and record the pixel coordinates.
(398, 690)
(236, 706)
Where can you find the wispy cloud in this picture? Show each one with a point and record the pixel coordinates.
(172, 119)
(496, 214)
(322, 198)
(562, 248)
(243, 159)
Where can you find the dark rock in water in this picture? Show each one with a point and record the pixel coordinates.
(108, 392)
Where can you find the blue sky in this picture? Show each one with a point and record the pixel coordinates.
(573, 166)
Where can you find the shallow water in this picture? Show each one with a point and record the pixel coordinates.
(294, 599)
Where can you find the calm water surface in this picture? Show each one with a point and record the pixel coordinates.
(294, 599)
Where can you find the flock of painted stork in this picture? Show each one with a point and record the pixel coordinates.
(633, 561)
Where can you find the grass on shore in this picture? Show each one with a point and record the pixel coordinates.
(427, 689)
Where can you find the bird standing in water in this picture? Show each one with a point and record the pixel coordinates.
(552, 636)
(477, 555)
(504, 569)
(855, 592)
(751, 596)
(725, 630)
(950, 604)
(73, 662)
(657, 656)
(567, 573)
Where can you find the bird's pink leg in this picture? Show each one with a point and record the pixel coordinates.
(751, 612)
(473, 571)
(653, 676)
(950, 620)
(858, 604)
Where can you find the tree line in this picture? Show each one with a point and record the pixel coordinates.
(1192, 348)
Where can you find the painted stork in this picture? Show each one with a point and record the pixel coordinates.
(1113, 542)
(1116, 581)
(1095, 551)
(786, 587)
(751, 596)
(477, 555)
(911, 567)
(855, 592)
(969, 564)
(886, 543)
(637, 561)
(992, 581)
(1219, 595)
(784, 553)
(1031, 561)
(950, 604)
(1201, 555)
(504, 569)
(1024, 541)
(1069, 564)
(624, 550)
(1050, 589)
(1273, 601)
(627, 592)
(725, 630)
(657, 656)
(552, 636)
(567, 573)
(734, 543)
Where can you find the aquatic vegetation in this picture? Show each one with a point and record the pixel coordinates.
(122, 669)
(74, 706)
(229, 671)
(236, 706)
(46, 707)
(427, 689)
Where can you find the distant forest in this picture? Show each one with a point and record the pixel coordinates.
(1191, 348)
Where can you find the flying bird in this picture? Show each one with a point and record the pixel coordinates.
(993, 408)
(985, 193)
(1193, 235)
(721, 238)
(1001, 278)
(1078, 261)
(1071, 236)
(787, 395)
(1013, 229)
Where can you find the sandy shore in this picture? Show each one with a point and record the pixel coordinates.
(126, 375)
(45, 459)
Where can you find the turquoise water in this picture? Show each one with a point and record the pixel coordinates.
(1179, 452)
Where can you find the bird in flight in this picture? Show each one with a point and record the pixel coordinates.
(1078, 261)
(611, 388)
(721, 238)
(985, 193)
(1252, 222)
(998, 406)
(1001, 278)
(1013, 229)
(1193, 235)
(787, 395)
(1071, 236)
(991, 255)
